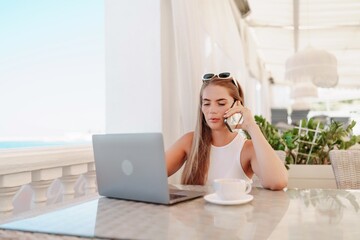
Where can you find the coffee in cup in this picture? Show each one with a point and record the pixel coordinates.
(231, 188)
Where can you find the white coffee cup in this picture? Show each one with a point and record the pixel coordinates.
(231, 188)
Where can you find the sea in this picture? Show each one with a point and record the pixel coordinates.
(31, 144)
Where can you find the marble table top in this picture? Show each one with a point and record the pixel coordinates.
(289, 214)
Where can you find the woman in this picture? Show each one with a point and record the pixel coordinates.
(212, 151)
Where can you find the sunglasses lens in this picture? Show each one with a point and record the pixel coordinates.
(224, 75)
(208, 76)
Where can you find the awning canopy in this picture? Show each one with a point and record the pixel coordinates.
(279, 28)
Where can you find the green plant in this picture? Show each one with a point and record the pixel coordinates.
(278, 141)
(335, 136)
(309, 143)
(271, 133)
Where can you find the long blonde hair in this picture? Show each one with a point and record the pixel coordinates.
(197, 164)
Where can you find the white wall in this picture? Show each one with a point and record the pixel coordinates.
(133, 66)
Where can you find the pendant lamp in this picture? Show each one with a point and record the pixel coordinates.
(312, 65)
(303, 90)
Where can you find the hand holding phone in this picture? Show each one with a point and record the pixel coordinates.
(234, 120)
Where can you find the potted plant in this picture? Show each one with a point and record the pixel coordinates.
(307, 149)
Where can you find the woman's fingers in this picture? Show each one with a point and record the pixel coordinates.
(247, 118)
(237, 108)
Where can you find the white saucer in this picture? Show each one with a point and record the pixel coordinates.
(213, 198)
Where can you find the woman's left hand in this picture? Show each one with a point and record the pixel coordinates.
(247, 121)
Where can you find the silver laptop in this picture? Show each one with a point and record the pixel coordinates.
(132, 167)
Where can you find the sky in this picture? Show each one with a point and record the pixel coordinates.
(52, 69)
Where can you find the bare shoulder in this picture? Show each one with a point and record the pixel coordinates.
(186, 140)
(188, 136)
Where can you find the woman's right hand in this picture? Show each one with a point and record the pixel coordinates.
(247, 122)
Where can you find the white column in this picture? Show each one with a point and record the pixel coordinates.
(70, 175)
(90, 177)
(133, 66)
(6, 198)
(41, 180)
(9, 185)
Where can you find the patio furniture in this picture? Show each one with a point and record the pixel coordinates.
(346, 167)
(298, 115)
(279, 115)
(294, 213)
(344, 120)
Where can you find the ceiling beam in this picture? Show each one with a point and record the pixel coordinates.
(255, 24)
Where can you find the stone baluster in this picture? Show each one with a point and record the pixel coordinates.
(38, 168)
(9, 185)
(70, 175)
(90, 177)
(41, 180)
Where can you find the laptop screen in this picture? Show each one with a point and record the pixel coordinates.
(131, 166)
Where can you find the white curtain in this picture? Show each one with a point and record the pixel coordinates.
(198, 36)
(206, 39)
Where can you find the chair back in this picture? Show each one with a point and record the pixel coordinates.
(279, 115)
(346, 167)
(298, 115)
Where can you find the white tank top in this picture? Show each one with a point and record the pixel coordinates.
(225, 161)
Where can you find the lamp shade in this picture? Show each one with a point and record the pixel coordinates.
(303, 90)
(317, 66)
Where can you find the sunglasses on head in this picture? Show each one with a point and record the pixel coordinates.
(224, 75)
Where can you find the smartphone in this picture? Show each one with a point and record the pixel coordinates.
(233, 121)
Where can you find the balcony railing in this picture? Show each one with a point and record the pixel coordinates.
(38, 176)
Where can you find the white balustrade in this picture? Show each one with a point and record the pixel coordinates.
(40, 167)
(41, 180)
(69, 178)
(10, 183)
(90, 177)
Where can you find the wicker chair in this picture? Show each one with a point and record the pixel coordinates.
(346, 167)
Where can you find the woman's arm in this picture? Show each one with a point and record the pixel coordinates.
(176, 155)
(264, 162)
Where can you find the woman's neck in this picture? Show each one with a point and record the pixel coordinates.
(222, 137)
